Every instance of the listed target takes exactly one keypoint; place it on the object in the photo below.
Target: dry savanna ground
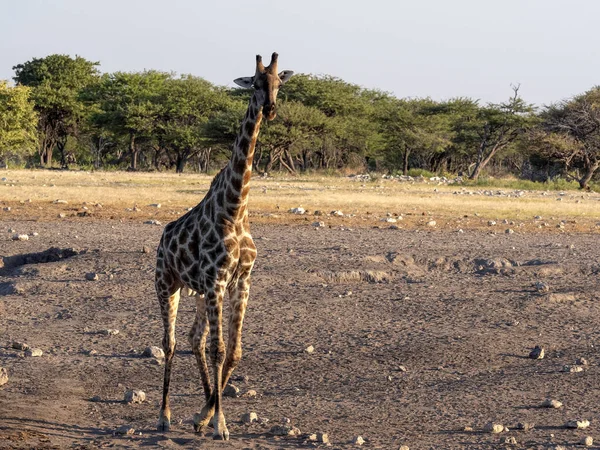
(420, 331)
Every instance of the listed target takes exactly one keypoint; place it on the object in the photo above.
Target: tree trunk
(405, 161)
(133, 151)
(180, 164)
(590, 169)
(481, 163)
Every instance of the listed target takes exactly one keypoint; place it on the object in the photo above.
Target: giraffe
(209, 251)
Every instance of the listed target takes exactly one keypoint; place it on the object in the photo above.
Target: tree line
(63, 112)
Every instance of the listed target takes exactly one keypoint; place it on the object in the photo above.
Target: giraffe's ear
(285, 75)
(245, 82)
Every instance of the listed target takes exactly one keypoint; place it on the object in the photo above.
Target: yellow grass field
(125, 195)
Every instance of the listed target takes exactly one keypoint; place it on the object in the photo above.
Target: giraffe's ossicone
(210, 251)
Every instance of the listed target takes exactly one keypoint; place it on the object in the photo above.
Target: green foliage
(18, 121)
(55, 82)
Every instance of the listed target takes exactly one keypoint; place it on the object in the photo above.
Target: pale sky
(418, 48)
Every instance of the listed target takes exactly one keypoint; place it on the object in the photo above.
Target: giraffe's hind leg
(168, 298)
(197, 337)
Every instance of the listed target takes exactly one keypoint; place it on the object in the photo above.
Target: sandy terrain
(417, 335)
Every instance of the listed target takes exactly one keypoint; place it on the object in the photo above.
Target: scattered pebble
(299, 210)
(541, 286)
(580, 424)
(582, 361)
(20, 237)
(109, 332)
(6, 208)
(588, 441)
(404, 447)
(537, 352)
(145, 249)
(125, 430)
(572, 369)
(152, 222)
(249, 418)
(323, 438)
(491, 223)
(431, 223)
(525, 426)
(96, 398)
(34, 352)
(3, 376)
(337, 213)
(309, 349)
(318, 224)
(284, 430)
(20, 346)
(358, 440)
(155, 205)
(91, 276)
(231, 390)
(250, 393)
(492, 427)
(509, 231)
(510, 440)
(153, 352)
(60, 202)
(62, 215)
(551, 403)
(134, 396)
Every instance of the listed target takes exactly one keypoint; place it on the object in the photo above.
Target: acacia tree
(56, 82)
(186, 105)
(499, 125)
(128, 105)
(18, 121)
(579, 118)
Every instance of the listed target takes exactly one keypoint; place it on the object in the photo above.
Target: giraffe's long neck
(240, 165)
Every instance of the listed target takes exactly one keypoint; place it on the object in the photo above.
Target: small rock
(155, 205)
(251, 393)
(431, 223)
(491, 223)
(525, 426)
(318, 224)
(468, 428)
(580, 424)
(20, 237)
(153, 352)
(337, 213)
(389, 220)
(91, 276)
(91, 352)
(134, 396)
(145, 249)
(6, 208)
(572, 369)
(309, 349)
(231, 390)
(537, 352)
(509, 231)
(323, 438)
(62, 215)
(249, 418)
(582, 361)
(492, 427)
(60, 202)
(3, 376)
(588, 441)
(96, 398)
(358, 440)
(125, 430)
(152, 222)
(510, 440)
(404, 447)
(541, 286)
(20, 346)
(109, 332)
(34, 352)
(284, 430)
(551, 403)
(298, 211)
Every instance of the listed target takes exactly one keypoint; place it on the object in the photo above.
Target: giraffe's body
(210, 251)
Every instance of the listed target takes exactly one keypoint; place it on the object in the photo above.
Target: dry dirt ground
(417, 334)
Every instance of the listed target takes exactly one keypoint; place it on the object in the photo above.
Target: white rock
(299, 210)
(358, 440)
(309, 349)
(60, 202)
(491, 223)
(509, 231)
(284, 430)
(323, 438)
(588, 441)
(34, 352)
(431, 223)
(318, 224)
(20, 237)
(388, 220)
(125, 430)
(155, 205)
(510, 440)
(231, 390)
(3, 376)
(337, 213)
(109, 332)
(20, 346)
(153, 352)
(91, 276)
(495, 428)
(551, 403)
(579, 424)
(152, 222)
(572, 369)
(134, 396)
(249, 418)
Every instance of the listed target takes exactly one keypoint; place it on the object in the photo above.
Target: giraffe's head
(266, 82)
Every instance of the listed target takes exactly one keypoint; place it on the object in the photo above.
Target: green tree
(18, 121)
(129, 105)
(186, 105)
(579, 118)
(56, 82)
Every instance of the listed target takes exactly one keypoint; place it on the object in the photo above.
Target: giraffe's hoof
(223, 436)
(201, 422)
(163, 425)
